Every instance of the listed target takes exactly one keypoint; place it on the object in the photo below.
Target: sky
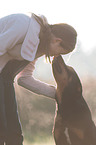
(81, 14)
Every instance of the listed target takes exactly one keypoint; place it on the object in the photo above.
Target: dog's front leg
(58, 131)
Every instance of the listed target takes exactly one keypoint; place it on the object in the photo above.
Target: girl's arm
(26, 80)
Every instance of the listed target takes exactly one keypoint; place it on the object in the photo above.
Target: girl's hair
(66, 32)
(45, 34)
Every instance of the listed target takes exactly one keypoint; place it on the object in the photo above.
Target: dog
(73, 121)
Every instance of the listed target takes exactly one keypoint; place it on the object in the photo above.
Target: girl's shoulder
(15, 18)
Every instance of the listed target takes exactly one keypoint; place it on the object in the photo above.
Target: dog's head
(66, 78)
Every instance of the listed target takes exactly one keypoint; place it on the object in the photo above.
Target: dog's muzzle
(56, 64)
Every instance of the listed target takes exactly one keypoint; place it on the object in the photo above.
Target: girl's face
(55, 48)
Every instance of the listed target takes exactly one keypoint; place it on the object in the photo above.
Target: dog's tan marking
(78, 132)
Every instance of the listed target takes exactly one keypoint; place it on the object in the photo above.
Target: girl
(23, 39)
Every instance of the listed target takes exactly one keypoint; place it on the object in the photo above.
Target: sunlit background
(81, 14)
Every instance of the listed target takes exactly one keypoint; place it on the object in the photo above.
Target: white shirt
(19, 39)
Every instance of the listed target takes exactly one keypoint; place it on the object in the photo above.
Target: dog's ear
(79, 88)
(79, 85)
(74, 87)
(77, 81)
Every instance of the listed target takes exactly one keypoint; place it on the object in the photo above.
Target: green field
(47, 142)
(40, 143)
(44, 143)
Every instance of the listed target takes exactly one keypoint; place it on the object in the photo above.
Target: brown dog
(73, 121)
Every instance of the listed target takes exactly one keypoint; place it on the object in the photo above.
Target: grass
(49, 141)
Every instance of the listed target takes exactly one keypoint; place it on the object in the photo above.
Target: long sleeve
(26, 80)
(13, 29)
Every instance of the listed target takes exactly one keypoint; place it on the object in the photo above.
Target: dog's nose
(55, 59)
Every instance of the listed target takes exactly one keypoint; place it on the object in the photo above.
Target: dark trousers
(10, 128)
